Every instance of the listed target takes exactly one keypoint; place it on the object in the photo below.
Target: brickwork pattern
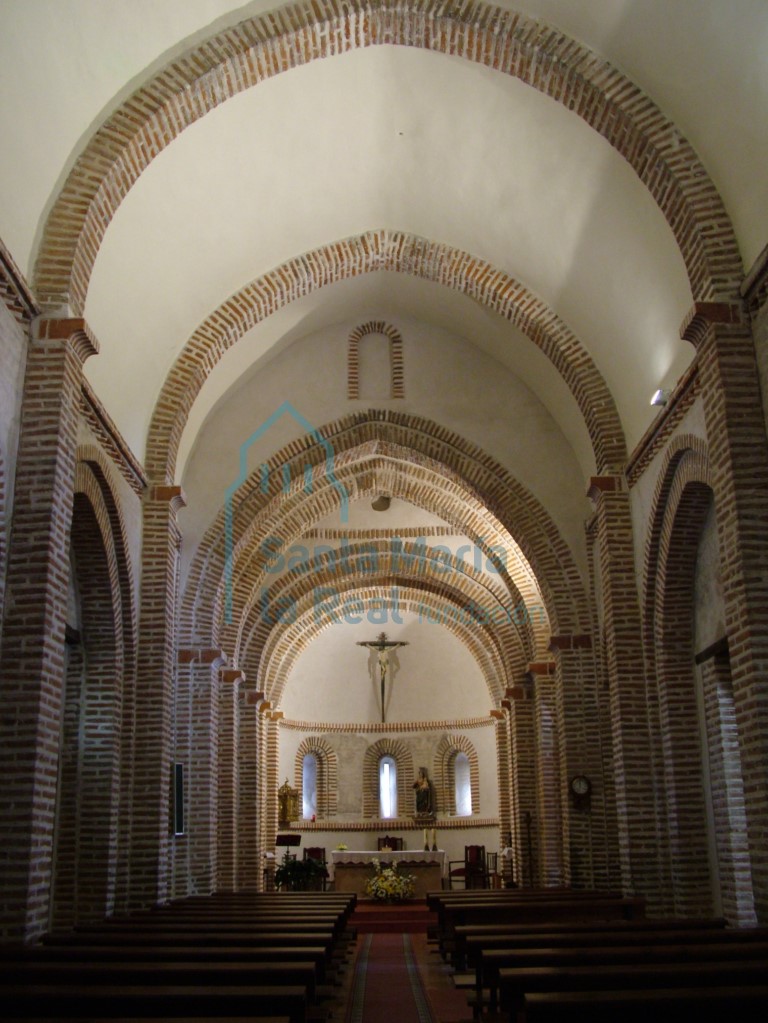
(397, 375)
(327, 773)
(374, 251)
(36, 604)
(403, 758)
(444, 774)
(255, 50)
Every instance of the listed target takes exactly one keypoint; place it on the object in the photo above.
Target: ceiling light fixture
(381, 503)
(660, 397)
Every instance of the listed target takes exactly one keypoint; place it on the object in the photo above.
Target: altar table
(351, 869)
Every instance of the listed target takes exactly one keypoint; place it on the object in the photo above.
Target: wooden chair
(396, 844)
(472, 871)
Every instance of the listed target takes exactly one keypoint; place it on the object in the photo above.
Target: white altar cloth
(384, 857)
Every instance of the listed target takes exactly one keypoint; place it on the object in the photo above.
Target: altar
(350, 869)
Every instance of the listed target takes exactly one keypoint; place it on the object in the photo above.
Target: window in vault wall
(309, 787)
(463, 787)
(387, 787)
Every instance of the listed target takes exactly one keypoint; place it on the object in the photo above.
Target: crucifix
(383, 646)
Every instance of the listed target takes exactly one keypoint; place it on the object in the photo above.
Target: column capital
(231, 675)
(173, 495)
(201, 655)
(540, 668)
(702, 315)
(72, 329)
(599, 485)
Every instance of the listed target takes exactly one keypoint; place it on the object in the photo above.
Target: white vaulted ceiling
(393, 138)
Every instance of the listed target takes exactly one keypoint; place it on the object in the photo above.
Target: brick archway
(394, 251)
(244, 55)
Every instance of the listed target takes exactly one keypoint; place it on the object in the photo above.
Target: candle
(434, 838)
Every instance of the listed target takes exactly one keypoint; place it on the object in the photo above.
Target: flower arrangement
(387, 885)
(341, 847)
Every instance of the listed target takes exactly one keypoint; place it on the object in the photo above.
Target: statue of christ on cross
(383, 646)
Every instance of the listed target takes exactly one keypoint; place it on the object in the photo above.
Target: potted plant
(300, 875)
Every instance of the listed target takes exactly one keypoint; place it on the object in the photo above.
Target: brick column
(250, 860)
(727, 790)
(523, 756)
(33, 663)
(228, 778)
(197, 747)
(548, 786)
(738, 455)
(269, 747)
(155, 680)
(503, 770)
(624, 665)
(580, 753)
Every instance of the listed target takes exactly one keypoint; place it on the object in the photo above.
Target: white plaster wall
(434, 678)
(13, 360)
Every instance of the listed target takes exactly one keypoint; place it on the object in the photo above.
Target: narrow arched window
(463, 785)
(387, 787)
(309, 787)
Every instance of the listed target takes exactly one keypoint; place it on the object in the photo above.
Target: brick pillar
(548, 785)
(269, 747)
(580, 753)
(250, 860)
(624, 664)
(155, 680)
(727, 791)
(228, 778)
(523, 757)
(32, 665)
(738, 456)
(504, 771)
(197, 747)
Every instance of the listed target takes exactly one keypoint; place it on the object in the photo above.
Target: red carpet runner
(389, 986)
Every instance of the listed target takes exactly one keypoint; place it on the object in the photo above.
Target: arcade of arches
(322, 321)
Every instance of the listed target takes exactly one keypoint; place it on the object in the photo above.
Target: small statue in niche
(423, 789)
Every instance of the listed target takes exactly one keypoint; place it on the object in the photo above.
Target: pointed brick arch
(244, 55)
(440, 471)
(400, 252)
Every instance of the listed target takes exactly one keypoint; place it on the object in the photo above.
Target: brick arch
(244, 55)
(445, 760)
(462, 469)
(374, 251)
(682, 501)
(404, 761)
(89, 793)
(327, 774)
(397, 379)
(379, 567)
(288, 640)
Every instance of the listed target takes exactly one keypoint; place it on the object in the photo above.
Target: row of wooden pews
(270, 956)
(542, 954)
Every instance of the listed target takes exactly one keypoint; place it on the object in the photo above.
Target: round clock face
(580, 785)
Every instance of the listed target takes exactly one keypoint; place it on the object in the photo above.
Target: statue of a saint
(423, 789)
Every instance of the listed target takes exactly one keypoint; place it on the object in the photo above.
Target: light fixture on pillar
(382, 503)
(660, 397)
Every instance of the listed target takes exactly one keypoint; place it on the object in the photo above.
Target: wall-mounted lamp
(660, 397)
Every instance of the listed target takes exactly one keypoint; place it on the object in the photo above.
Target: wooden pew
(516, 984)
(638, 1006)
(66, 1001)
(516, 963)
